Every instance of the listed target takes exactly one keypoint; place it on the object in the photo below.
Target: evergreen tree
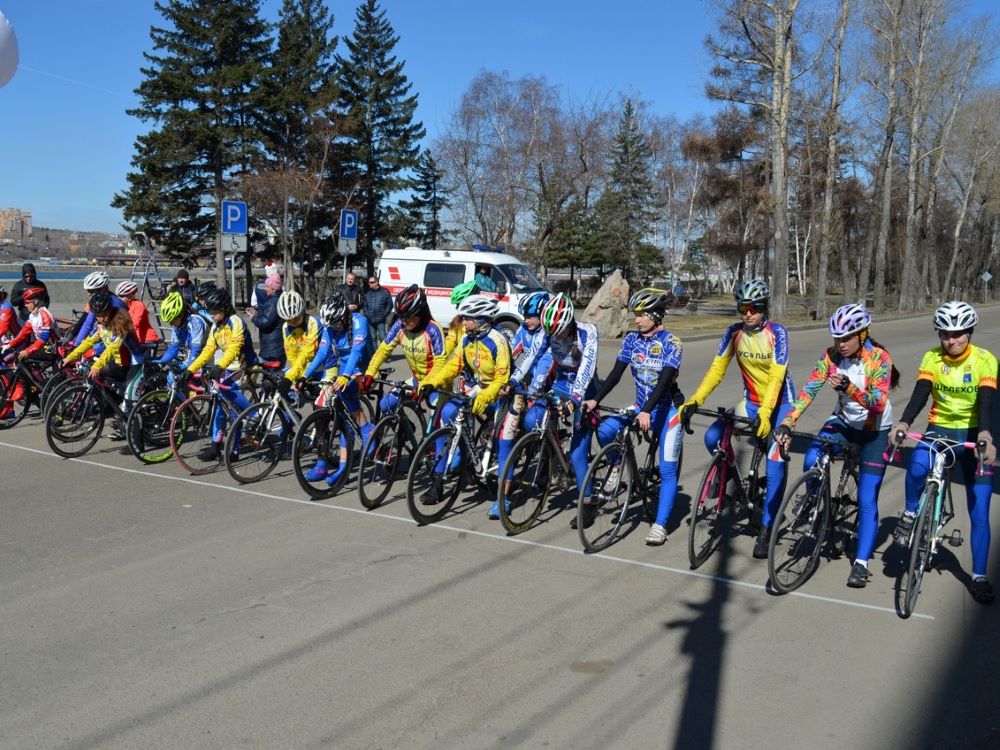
(380, 136)
(625, 209)
(299, 92)
(429, 200)
(201, 90)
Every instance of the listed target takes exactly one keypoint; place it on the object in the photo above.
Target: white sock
(978, 578)
(862, 563)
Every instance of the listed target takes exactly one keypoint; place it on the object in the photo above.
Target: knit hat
(273, 281)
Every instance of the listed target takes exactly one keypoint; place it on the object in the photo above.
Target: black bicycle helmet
(411, 302)
(217, 300)
(101, 302)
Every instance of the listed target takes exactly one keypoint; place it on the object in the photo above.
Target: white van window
(521, 277)
(446, 275)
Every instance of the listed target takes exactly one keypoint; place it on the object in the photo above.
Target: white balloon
(8, 50)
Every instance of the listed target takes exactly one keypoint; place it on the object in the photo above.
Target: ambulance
(440, 271)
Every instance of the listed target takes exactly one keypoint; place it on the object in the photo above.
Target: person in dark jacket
(183, 286)
(353, 293)
(378, 308)
(29, 278)
(265, 316)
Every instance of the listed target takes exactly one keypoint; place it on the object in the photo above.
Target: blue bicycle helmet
(531, 304)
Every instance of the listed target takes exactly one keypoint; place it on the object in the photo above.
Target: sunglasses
(744, 309)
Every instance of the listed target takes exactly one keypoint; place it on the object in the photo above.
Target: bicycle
(705, 524)
(538, 463)
(401, 428)
(328, 434)
(468, 454)
(614, 478)
(77, 415)
(810, 513)
(21, 384)
(147, 429)
(191, 427)
(259, 437)
(935, 510)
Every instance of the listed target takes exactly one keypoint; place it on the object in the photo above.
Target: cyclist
(98, 281)
(342, 352)
(300, 333)
(573, 347)
(40, 334)
(654, 356)
(760, 347)
(421, 337)
(188, 332)
(227, 350)
(138, 312)
(860, 370)
(10, 325)
(530, 308)
(482, 365)
(122, 355)
(203, 290)
(961, 378)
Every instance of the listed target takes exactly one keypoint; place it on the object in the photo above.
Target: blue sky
(66, 141)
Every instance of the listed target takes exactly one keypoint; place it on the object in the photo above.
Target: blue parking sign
(348, 224)
(234, 217)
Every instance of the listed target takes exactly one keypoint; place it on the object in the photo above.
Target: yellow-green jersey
(300, 344)
(955, 384)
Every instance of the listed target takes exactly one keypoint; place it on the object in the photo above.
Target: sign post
(347, 242)
(986, 281)
(233, 241)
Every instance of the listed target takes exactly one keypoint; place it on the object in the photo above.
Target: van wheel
(509, 329)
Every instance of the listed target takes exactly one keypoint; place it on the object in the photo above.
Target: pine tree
(201, 91)
(381, 138)
(429, 200)
(299, 91)
(625, 209)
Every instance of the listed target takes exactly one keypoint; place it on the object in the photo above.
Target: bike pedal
(955, 539)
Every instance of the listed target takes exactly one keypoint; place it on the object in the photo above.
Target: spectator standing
(353, 294)
(29, 278)
(183, 286)
(270, 269)
(378, 307)
(264, 315)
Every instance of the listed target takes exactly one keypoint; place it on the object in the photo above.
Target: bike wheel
(322, 437)
(256, 442)
(15, 398)
(60, 377)
(705, 524)
(525, 483)
(844, 517)
(426, 475)
(380, 457)
(147, 428)
(191, 434)
(611, 478)
(76, 418)
(920, 551)
(798, 532)
(648, 483)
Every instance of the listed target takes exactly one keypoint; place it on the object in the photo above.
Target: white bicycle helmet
(955, 316)
(558, 315)
(753, 292)
(849, 319)
(478, 306)
(290, 305)
(96, 280)
(126, 288)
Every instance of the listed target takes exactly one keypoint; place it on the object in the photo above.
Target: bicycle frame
(550, 431)
(747, 487)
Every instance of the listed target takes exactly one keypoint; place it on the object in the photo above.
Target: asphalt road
(144, 608)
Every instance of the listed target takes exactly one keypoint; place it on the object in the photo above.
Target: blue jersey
(347, 350)
(574, 359)
(189, 338)
(523, 340)
(646, 357)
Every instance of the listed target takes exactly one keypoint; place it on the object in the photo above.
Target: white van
(440, 271)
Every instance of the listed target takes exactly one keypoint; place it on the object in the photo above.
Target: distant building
(15, 224)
